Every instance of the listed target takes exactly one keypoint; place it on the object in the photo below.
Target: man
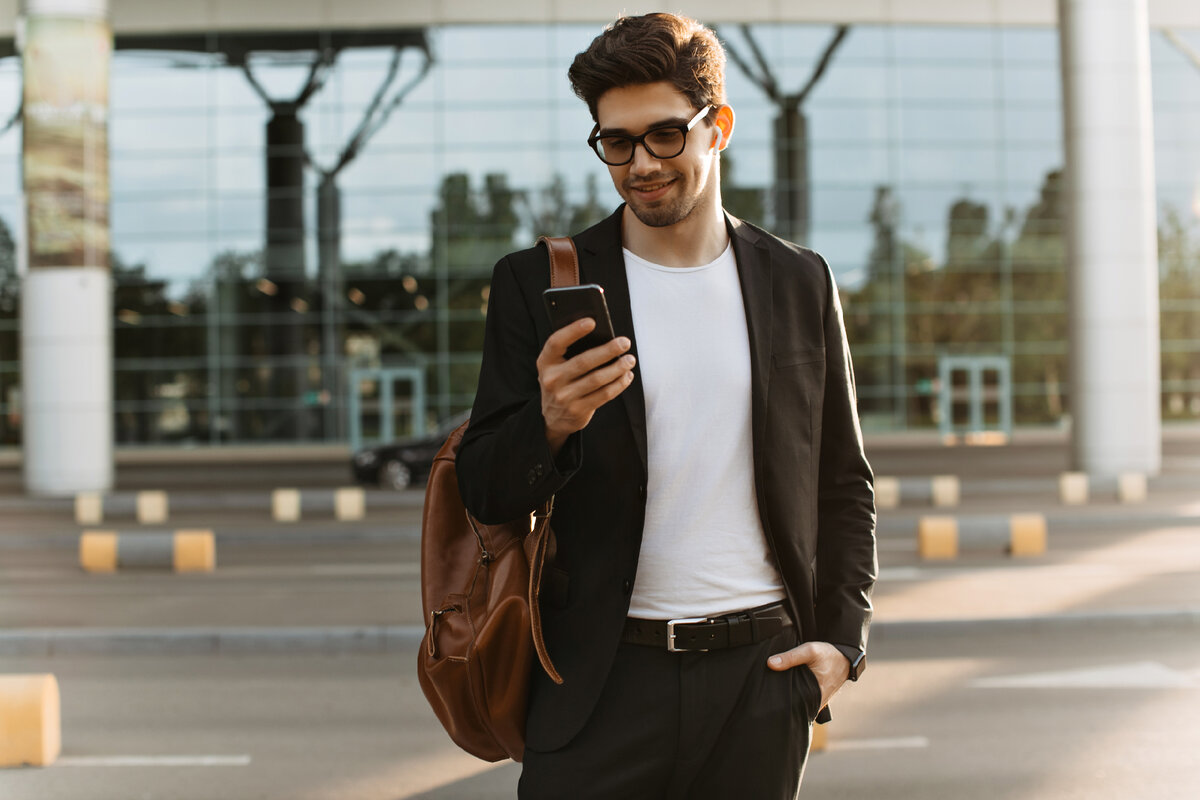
(714, 510)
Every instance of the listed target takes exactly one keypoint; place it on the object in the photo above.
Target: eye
(663, 136)
(615, 145)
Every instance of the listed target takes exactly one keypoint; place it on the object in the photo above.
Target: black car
(400, 464)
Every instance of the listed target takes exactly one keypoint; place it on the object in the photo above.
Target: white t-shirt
(703, 552)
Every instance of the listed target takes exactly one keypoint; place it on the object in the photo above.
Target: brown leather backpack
(479, 591)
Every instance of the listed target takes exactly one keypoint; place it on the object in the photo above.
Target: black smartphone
(567, 304)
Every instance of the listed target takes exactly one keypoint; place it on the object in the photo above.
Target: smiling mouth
(651, 188)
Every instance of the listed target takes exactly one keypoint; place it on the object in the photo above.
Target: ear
(724, 126)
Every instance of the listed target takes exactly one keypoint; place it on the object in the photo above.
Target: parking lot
(288, 671)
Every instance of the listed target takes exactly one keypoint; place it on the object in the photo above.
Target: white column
(66, 308)
(1112, 250)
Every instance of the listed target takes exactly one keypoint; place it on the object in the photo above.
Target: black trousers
(687, 725)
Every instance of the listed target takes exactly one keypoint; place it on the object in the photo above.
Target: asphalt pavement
(287, 672)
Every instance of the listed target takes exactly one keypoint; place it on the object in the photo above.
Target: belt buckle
(671, 648)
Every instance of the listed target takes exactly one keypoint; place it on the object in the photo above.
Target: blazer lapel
(754, 273)
(601, 261)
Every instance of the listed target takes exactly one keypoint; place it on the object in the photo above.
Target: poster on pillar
(65, 146)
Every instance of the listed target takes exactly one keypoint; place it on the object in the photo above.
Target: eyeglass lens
(660, 143)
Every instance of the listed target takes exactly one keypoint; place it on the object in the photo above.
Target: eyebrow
(625, 131)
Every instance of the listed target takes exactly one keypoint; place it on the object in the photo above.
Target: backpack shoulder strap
(564, 260)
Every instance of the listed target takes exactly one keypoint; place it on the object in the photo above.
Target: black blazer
(812, 480)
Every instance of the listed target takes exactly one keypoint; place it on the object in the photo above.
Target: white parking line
(153, 761)
(899, 743)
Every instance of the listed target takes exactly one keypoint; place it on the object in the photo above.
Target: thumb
(801, 654)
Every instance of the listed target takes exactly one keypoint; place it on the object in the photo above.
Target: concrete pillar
(792, 191)
(285, 267)
(1112, 257)
(66, 308)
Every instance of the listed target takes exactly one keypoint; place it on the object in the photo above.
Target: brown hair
(648, 49)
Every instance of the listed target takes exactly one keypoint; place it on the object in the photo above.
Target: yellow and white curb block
(887, 492)
(89, 508)
(820, 739)
(350, 503)
(30, 720)
(285, 505)
(1131, 487)
(182, 551)
(1020, 534)
(1073, 489)
(152, 508)
(943, 491)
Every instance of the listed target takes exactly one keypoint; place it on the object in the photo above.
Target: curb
(317, 500)
(891, 523)
(233, 536)
(389, 639)
(210, 641)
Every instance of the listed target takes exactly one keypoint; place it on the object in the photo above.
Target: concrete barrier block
(1027, 535)
(145, 550)
(98, 551)
(944, 490)
(285, 505)
(887, 492)
(350, 503)
(1131, 487)
(30, 720)
(152, 507)
(89, 508)
(937, 537)
(182, 551)
(1073, 488)
(820, 739)
(194, 551)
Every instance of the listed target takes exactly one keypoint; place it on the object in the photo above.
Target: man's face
(660, 192)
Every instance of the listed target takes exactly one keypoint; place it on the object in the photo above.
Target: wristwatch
(857, 659)
(858, 664)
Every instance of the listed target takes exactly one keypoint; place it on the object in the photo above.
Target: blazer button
(532, 476)
(642, 492)
(626, 586)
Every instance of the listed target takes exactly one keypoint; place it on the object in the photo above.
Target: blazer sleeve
(504, 464)
(847, 564)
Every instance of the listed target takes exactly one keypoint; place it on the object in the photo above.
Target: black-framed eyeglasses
(665, 141)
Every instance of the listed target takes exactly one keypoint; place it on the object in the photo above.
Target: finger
(801, 654)
(607, 391)
(600, 355)
(558, 342)
(580, 397)
(603, 376)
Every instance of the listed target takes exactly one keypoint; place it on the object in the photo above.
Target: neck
(695, 241)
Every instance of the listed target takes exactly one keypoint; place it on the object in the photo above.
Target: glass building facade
(303, 230)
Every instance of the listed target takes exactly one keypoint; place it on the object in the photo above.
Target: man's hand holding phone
(573, 388)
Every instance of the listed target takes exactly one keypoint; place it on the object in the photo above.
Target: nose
(643, 161)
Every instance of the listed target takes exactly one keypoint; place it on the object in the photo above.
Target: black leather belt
(697, 634)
